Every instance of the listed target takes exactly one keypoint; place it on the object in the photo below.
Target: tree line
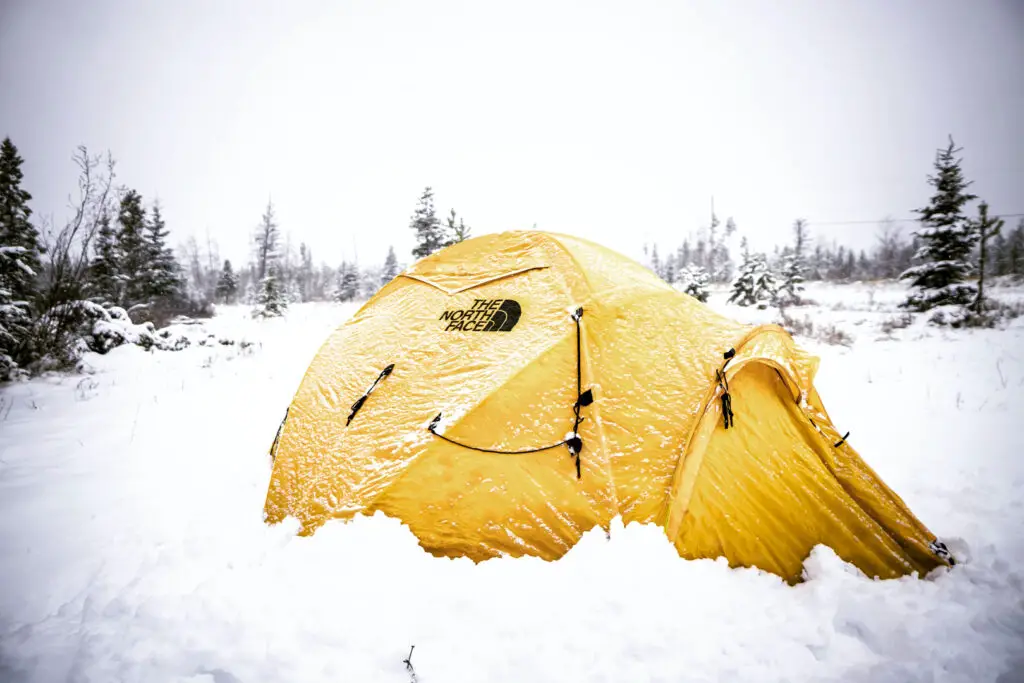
(110, 259)
(945, 260)
(112, 255)
(278, 274)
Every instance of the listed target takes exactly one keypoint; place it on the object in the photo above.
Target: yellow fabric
(760, 494)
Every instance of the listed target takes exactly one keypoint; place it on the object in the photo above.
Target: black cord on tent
(574, 443)
(433, 426)
(842, 440)
(362, 399)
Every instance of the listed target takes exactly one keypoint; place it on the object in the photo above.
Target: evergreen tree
(1000, 254)
(684, 256)
(227, 284)
(348, 282)
(271, 301)
(457, 232)
(655, 261)
(134, 251)
(105, 268)
(267, 238)
(1013, 262)
(793, 266)
(864, 266)
(390, 267)
(700, 255)
(712, 265)
(368, 282)
(985, 228)
(252, 294)
(20, 264)
(694, 281)
(818, 264)
(726, 264)
(20, 269)
(429, 235)
(754, 284)
(719, 264)
(163, 275)
(305, 277)
(742, 291)
(671, 272)
(947, 239)
(888, 249)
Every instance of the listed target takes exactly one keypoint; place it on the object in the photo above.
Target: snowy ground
(132, 546)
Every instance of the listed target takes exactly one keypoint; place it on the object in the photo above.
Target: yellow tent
(513, 391)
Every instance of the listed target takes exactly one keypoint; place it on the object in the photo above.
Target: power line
(896, 220)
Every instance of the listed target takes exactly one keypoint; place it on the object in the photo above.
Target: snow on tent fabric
(483, 335)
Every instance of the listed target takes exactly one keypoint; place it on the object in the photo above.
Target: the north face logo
(485, 315)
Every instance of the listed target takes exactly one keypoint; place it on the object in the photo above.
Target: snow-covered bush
(827, 334)
(993, 314)
(900, 322)
(95, 328)
(117, 329)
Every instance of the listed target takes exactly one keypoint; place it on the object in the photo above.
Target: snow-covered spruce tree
(305, 275)
(793, 267)
(271, 301)
(348, 282)
(251, 295)
(133, 250)
(16, 230)
(391, 269)
(671, 275)
(105, 267)
(1013, 261)
(1015, 247)
(694, 281)
(754, 284)
(227, 284)
(765, 286)
(369, 282)
(725, 262)
(655, 265)
(743, 284)
(947, 238)
(163, 280)
(20, 263)
(429, 235)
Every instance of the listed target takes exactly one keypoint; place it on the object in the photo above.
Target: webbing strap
(723, 383)
(277, 437)
(362, 399)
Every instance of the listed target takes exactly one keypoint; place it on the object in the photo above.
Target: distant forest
(110, 260)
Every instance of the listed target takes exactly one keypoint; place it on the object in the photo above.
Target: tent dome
(510, 392)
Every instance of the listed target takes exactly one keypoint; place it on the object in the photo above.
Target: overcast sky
(614, 121)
